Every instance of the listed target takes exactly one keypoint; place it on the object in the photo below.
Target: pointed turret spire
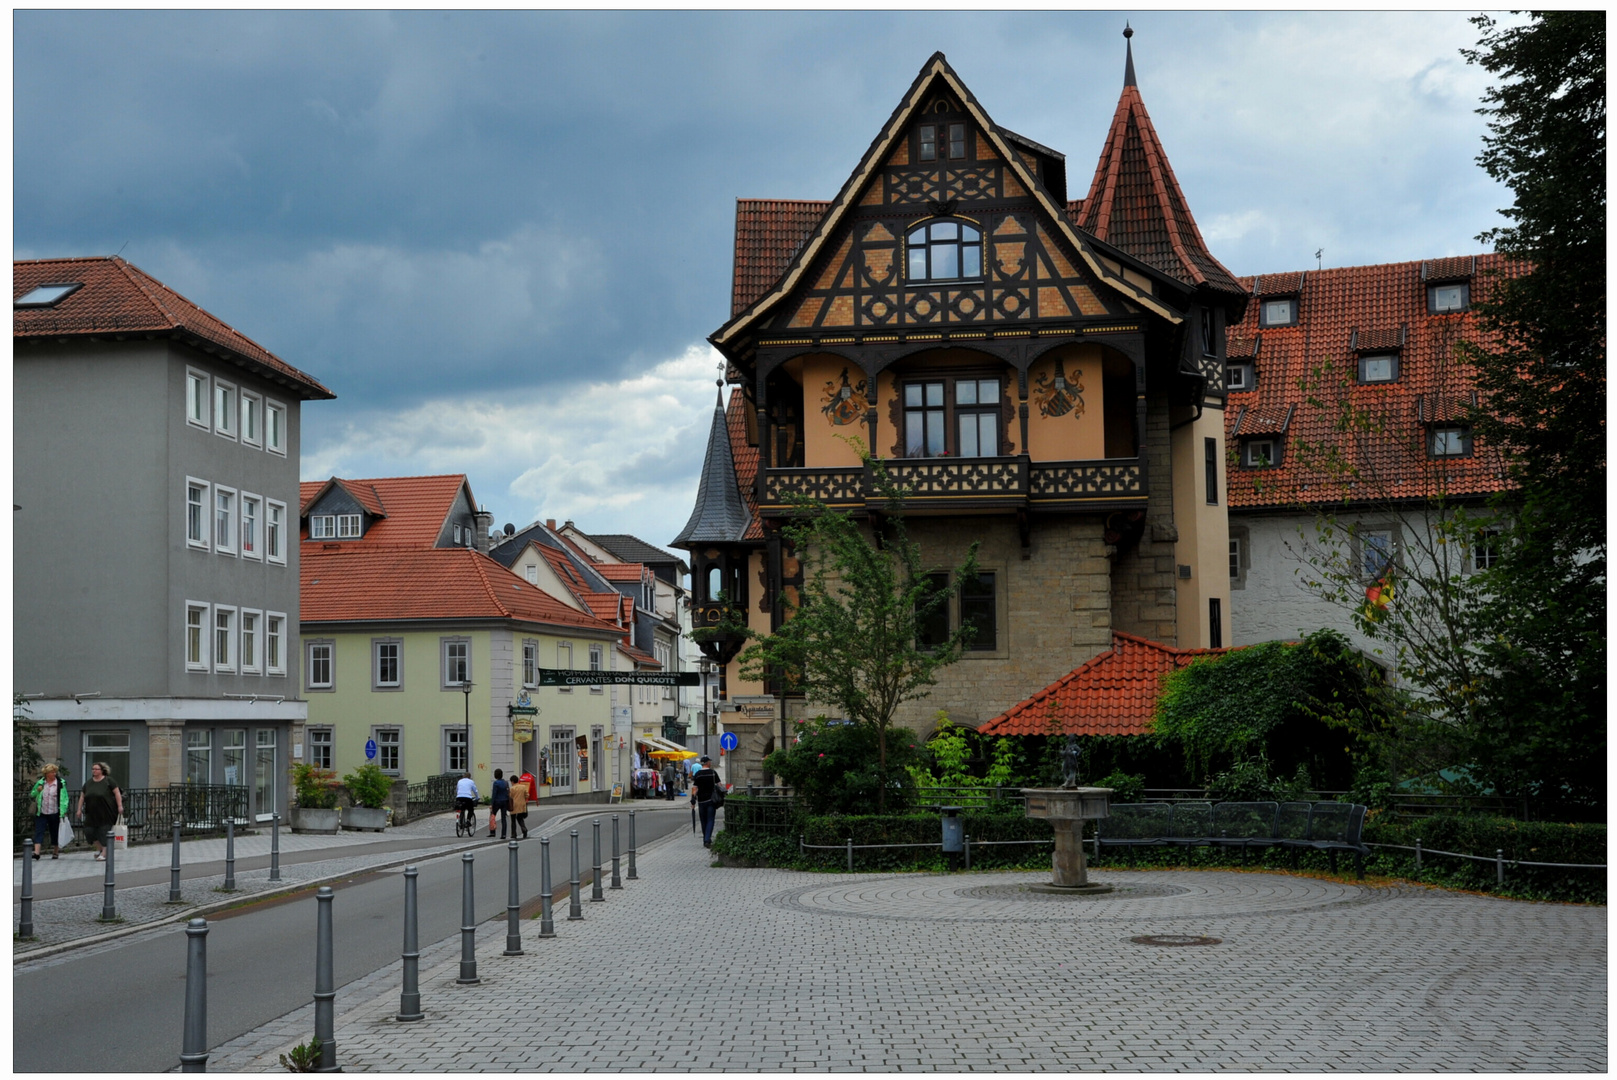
(1134, 202)
(721, 515)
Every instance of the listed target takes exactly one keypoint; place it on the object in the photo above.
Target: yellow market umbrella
(677, 755)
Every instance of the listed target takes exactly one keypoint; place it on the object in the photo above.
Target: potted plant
(370, 787)
(316, 809)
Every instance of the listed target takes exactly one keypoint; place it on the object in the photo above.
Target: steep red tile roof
(1342, 313)
(746, 459)
(768, 234)
(417, 506)
(117, 299)
(641, 659)
(1135, 204)
(356, 583)
(607, 606)
(621, 571)
(1115, 693)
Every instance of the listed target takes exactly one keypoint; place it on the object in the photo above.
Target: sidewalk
(970, 972)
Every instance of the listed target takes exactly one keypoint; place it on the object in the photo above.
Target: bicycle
(466, 821)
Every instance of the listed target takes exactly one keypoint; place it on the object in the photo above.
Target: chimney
(550, 523)
(485, 525)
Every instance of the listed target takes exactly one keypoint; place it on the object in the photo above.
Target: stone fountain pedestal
(1067, 808)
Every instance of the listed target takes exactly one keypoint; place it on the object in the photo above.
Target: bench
(1330, 827)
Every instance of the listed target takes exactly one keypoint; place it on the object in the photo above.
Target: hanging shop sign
(522, 728)
(524, 706)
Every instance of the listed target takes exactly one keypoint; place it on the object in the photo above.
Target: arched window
(945, 251)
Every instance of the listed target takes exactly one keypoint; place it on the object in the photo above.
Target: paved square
(837, 972)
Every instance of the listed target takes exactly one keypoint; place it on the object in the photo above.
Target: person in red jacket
(533, 785)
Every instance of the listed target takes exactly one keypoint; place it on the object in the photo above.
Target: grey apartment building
(155, 522)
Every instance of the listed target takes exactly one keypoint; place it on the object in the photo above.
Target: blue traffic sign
(370, 749)
(729, 741)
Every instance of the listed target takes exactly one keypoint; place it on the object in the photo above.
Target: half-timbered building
(1043, 374)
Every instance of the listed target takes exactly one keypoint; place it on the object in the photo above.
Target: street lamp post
(466, 690)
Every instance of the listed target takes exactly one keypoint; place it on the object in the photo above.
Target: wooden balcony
(940, 485)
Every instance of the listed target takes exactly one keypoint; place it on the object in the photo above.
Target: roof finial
(1128, 48)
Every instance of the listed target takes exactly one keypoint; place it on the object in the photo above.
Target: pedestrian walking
(707, 785)
(670, 778)
(101, 804)
(519, 808)
(49, 800)
(499, 803)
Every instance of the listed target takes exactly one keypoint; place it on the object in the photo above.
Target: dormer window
(1260, 453)
(1448, 297)
(349, 526)
(945, 251)
(1279, 312)
(1238, 377)
(1378, 368)
(1450, 441)
(322, 527)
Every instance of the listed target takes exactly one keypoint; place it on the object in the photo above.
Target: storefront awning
(656, 742)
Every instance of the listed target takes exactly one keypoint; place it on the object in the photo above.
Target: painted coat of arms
(1060, 395)
(843, 404)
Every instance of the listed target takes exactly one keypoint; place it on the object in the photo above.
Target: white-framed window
(224, 409)
(196, 398)
(224, 636)
(224, 520)
(564, 660)
(196, 513)
(251, 525)
(348, 526)
(1485, 552)
(531, 572)
(1260, 453)
(1377, 548)
(251, 627)
(1279, 312)
(1451, 441)
(274, 426)
(275, 531)
(530, 663)
(1450, 296)
(457, 662)
(386, 663)
(389, 748)
(457, 536)
(597, 663)
(665, 655)
(454, 755)
(196, 636)
(1378, 368)
(275, 642)
(320, 665)
(322, 527)
(1239, 377)
(252, 419)
(321, 740)
(1235, 557)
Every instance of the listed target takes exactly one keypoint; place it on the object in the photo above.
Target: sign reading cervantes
(566, 677)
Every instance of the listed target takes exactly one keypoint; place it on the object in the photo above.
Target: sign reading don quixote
(568, 677)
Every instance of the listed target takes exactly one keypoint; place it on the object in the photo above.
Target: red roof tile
(746, 459)
(1278, 284)
(641, 659)
(1343, 312)
(119, 299)
(769, 233)
(621, 571)
(356, 583)
(1115, 693)
(1450, 269)
(417, 506)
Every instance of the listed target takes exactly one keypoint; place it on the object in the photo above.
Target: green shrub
(1532, 841)
(836, 768)
(369, 785)
(1126, 787)
(316, 787)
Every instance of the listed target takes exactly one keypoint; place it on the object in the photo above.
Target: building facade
(183, 435)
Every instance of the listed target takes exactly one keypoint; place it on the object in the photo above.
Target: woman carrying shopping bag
(49, 799)
(101, 804)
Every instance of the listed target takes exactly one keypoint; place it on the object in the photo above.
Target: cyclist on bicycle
(466, 798)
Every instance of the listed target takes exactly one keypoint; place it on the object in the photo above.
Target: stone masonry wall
(1144, 588)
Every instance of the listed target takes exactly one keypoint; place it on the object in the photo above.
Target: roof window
(1281, 311)
(41, 296)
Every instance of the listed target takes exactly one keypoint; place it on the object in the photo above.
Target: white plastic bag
(64, 833)
(120, 835)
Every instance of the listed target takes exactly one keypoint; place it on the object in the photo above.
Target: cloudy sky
(502, 238)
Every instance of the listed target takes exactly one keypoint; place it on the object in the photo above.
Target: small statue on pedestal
(1070, 758)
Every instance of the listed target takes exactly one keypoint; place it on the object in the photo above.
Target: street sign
(370, 749)
(574, 677)
(729, 741)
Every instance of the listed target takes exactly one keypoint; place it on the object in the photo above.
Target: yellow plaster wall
(1073, 436)
(1204, 531)
(821, 447)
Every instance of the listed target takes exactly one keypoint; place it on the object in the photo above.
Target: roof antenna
(120, 251)
(1128, 48)
(1319, 259)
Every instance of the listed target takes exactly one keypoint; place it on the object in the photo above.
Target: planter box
(314, 820)
(369, 818)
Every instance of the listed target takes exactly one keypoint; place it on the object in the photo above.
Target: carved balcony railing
(1009, 483)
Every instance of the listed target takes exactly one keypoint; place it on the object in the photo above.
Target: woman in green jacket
(49, 799)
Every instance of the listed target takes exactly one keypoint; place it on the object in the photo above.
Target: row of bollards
(194, 1052)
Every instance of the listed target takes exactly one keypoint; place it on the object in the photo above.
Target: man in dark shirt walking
(706, 782)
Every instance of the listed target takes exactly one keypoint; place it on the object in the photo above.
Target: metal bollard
(617, 882)
(325, 983)
(850, 854)
(194, 1040)
(230, 855)
(25, 924)
(575, 910)
(1499, 866)
(109, 906)
(1417, 853)
(596, 895)
(174, 869)
(468, 926)
(275, 847)
(513, 908)
(632, 875)
(410, 998)
(547, 920)
(967, 837)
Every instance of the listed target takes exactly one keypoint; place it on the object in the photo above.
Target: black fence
(151, 813)
(432, 795)
(1407, 803)
(777, 814)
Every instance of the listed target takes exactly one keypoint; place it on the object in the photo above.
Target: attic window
(1260, 453)
(41, 296)
(1378, 368)
(955, 134)
(1449, 296)
(1239, 377)
(945, 251)
(1278, 312)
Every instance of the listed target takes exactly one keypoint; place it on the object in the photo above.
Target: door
(561, 761)
(598, 780)
(265, 775)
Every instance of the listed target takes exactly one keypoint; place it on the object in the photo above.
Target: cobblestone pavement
(959, 973)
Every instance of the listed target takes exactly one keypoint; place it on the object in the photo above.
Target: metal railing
(433, 794)
(970, 798)
(151, 813)
(1415, 804)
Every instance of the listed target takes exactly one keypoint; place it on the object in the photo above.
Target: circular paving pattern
(1137, 895)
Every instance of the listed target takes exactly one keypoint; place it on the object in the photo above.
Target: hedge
(780, 849)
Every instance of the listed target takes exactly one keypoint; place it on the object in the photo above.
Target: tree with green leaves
(1541, 727)
(855, 641)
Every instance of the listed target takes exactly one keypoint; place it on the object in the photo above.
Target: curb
(205, 910)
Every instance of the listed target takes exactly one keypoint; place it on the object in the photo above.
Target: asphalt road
(122, 1009)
